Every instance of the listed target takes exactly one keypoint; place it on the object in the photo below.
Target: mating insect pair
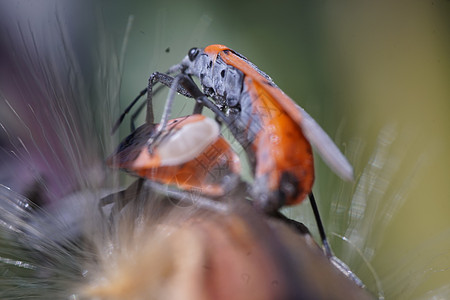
(190, 153)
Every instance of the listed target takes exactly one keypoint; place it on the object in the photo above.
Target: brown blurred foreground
(161, 250)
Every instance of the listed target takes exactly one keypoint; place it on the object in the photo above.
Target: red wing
(201, 170)
(318, 138)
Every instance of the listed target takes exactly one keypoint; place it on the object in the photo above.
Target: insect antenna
(138, 111)
(127, 110)
(135, 115)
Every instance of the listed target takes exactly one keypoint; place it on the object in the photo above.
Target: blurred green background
(375, 75)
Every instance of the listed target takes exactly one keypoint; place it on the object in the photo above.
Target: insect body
(275, 132)
(189, 153)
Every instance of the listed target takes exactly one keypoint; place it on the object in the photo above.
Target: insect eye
(192, 54)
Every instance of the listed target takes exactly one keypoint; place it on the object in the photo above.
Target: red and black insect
(189, 153)
(275, 132)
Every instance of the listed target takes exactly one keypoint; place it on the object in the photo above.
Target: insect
(276, 133)
(189, 153)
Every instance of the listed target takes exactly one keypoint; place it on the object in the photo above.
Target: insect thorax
(219, 81)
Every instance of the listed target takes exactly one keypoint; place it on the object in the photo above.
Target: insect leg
(168, 107)
(194, 92)
(156, 77)
(198, 108)
(323, 236)
(302, 229)
(166, 80)
(187, 87)
(172, 83)
(299, 227)
(183, 89)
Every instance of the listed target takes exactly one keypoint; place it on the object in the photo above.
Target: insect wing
(191, 155)
(318, 138)
(327, 149)
(312, 131)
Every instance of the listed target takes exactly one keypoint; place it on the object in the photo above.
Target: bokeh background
(375, 75)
